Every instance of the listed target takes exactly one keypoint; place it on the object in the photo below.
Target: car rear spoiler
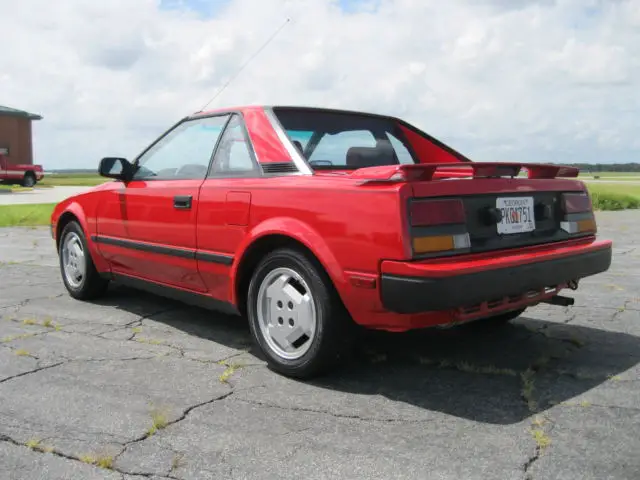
(435, 171)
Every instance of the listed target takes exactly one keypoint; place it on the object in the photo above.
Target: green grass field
(26, 215)
(614, 196)
(617, 176)
(69, 180)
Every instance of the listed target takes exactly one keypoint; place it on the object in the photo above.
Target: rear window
(342, 140)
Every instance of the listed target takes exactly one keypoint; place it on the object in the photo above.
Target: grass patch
(73, 180)
(22, 353)
(614, 196)
(26, 215)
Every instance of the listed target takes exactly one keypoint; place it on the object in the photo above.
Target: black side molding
(425, 294)
(164, 250)
(191, 298)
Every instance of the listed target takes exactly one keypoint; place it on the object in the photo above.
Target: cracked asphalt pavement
(136, 386)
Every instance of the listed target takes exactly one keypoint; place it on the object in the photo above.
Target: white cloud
(498, 79)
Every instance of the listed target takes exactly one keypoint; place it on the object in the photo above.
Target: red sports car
(312, 221)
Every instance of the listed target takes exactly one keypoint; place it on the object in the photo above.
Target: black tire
(334, 328)
(92, 284)
(29, 180)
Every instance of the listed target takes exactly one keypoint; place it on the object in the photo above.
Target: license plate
(517, 215)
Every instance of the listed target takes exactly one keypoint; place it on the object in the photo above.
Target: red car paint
(16, 173)
(355, 222)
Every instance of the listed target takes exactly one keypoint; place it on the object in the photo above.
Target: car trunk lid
(500, 205)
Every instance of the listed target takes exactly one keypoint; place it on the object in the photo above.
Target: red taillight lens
(576, 203)
(426, 213)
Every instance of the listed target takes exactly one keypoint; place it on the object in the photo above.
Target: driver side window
(184, 153)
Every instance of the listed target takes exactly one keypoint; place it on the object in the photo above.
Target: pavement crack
(529, 463)
(36, 370)
(333, 414)
(148, 434)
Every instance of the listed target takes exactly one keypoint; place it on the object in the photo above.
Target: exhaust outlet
(560, 301)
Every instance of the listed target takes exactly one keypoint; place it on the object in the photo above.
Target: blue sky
(499, 80)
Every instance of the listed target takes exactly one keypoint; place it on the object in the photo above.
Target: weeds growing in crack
(177, 461)
(541, 438)
(136, 330)
(468, 367)
(22, 353)
(230, 370)
(150, 341)
(29, 321)
(17, 337)
(158, 421)
(33, 444)
(102, 461)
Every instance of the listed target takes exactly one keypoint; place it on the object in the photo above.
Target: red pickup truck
(309, 221)
(25, 175)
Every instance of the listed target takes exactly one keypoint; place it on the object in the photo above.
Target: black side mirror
(116, 167)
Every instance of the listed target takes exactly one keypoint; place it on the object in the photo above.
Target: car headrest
(360, 157)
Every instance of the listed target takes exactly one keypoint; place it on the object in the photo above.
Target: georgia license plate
(517, 215)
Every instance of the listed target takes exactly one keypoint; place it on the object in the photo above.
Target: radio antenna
(273, 35)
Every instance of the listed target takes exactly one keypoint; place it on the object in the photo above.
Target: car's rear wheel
(79, 273)
(29, 180)
(295, 315)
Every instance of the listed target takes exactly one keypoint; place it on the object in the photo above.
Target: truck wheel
(79, 273)
(296, 317)
(29, 180)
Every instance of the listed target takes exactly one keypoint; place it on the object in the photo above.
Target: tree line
(606, 167)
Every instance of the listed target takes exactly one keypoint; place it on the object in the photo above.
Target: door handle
(182, 201)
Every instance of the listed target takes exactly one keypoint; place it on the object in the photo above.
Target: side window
(184, 153)
(334, 147)
(401, 151)
(233, 155)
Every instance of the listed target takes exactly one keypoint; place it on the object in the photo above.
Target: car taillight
(576, 203)
(425, 213)
(578, 214)
(438, 226)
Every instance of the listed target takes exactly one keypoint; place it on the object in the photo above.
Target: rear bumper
(450, 285)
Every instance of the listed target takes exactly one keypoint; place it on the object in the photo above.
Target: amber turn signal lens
(588, 225)
(440, 243)
(580, 226)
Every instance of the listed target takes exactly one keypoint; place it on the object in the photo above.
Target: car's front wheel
(296, 316)
(79, 273)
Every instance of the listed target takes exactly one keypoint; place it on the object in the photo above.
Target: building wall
(15, 134)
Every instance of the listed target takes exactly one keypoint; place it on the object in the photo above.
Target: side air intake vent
(283, 167)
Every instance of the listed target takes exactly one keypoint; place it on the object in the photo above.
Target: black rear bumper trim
(401, 294)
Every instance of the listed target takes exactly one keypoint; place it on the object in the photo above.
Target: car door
(225, 204)
(148, 229)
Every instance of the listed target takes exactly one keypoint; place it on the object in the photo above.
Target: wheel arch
(74, 212)
(305, 240)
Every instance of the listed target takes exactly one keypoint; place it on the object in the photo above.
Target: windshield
(341, 140)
